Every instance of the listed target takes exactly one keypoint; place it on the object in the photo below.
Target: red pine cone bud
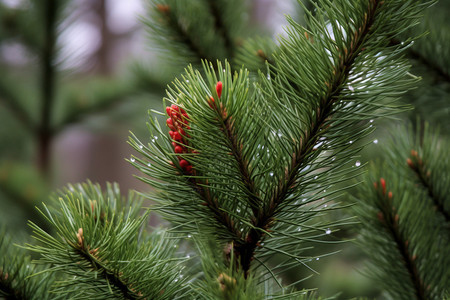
(176, 136)
(168, 110)
(188, 169)
(178, 149)
(383, 185)
(211, 102)
(219, 89)
(175, 107)
(169, 123)
(184, 164)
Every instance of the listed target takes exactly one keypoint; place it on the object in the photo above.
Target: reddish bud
(219, 89)
(181, 131)
(189, 168)
(176, 136)
(169, 123)
(414, 153)
(185, 115)
(211, 102)
(182, 111)
(410, 163)
(396, 218)
(163, 8)
(178, 149)
(175, 107)
(174, 144)
(168, 110)
(390, 195)
(171, 133)
(375, 185)
(380, 216)
(184, 163)
(383, 185)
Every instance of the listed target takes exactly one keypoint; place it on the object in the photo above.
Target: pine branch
(400, 230)
(47, 84)
(109, 275)
(182, 36)
(390, 219)
(19, 278)
(101, 245)
(311, 137)
(266, 158)
(417, 165)
(416, 55)
(221, 29)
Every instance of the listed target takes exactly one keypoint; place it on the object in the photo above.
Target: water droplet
(304, 200)
(371, 121)
(132, 159)
(351, 142)
(187, 80)
(328, 231)
(351, 88)
(325, 205)
(155, 137)
(333, 159)
(358, 163)
(175, 246)
(262, 244)
(176, 279)
(317, 258)
(271, 173)
(402, 43)
(149, 165)
(224, 70)
(140, 146)
(375, 141)
(153, 140)
(242, 229)
(315, 177)
(189, 236)
(268, 76)
(299, 229)
(187, 256)
(238, 210)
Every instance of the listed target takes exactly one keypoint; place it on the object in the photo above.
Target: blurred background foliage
(78, 75)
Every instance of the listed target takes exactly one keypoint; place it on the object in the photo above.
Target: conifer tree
(246, 166)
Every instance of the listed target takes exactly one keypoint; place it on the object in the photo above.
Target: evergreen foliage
(253, 161)
(404, 217)
(100, 245)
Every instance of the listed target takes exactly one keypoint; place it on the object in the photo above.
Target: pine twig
(48, 80)
(390, 219)
(417, 165)
(324, 112)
